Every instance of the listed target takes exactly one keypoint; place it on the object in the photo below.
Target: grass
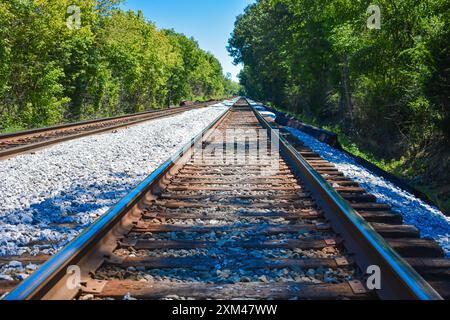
(392, 166)
(441, 199)
(399, 169)
(11, 129)
(396, 167)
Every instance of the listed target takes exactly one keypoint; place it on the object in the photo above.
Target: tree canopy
(113, 62)
(387, 88)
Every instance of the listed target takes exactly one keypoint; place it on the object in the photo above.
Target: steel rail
(40, 282)
(17, 134)
(153, 115)
(399, 281)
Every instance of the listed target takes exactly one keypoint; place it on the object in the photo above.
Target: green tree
(114, 62)
(387, 89)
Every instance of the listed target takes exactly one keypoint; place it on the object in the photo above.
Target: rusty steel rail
(40, 283)
(399, 280)
(125, 121)
(81, 123)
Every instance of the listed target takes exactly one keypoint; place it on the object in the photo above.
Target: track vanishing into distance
(273, 222)
(20, 142)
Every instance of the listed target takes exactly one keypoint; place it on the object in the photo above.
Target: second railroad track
(25, 141)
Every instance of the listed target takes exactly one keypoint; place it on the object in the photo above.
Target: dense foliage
(114, 62)
(388, 88)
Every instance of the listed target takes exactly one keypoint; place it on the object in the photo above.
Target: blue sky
(210, 22)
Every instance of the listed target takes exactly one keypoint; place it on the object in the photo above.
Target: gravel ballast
(49, 197)
(431, 222)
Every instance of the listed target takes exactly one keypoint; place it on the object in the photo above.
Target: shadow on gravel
(429, 220)
(55, 221)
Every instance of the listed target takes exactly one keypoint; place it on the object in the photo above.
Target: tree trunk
(346, 105)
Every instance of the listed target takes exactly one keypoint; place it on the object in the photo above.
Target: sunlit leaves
(113, 62)
(320, 59)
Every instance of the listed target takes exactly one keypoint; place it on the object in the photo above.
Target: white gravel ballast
(52, 195)
(431, 222)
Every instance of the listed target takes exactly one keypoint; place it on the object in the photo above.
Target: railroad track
(241, 221)
(24, 141)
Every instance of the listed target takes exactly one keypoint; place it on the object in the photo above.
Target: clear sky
(210, 22)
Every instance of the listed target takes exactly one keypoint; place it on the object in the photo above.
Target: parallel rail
(399, 279)
(95, 247)
(24, 141)
(46, 278)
